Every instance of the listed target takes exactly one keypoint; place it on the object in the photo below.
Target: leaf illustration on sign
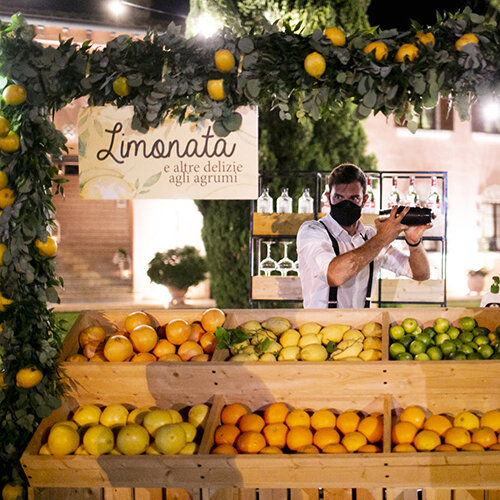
(151, 181)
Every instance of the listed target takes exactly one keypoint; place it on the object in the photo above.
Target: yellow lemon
(198, 415)
(315, 64)
(426, 440)
(136, 416)
(289, 338)
(407, 50)
(156, 419)
(87, 415)
(336, 36)
(2, 250)
(190, 431)
(465, 40)
(14, 94)
(4, 126)
(47, 249)
(121, 87)
(63, 440)
(224, 61)
(3, 179)
(380, 49)
(310, 328)
(170, 439)
(189, 449)
(28, 377)
(99, 440)
(10, 142)
(215, 89)
(6, 197)
(132, 439)
(12, 492)
(114, 416)
(467, 420)
(425, 38)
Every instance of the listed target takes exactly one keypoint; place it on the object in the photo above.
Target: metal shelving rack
(274, 223)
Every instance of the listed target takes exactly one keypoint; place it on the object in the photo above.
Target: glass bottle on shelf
(433, 200)
(412, 199)
(284, 202)
(265, 202)
(325, 201)
(394, 197)
(306, 203)
(370, 207)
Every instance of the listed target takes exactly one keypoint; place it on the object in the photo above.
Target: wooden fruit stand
(383, 386)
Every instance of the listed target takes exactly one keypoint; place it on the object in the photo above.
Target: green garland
(167, 75)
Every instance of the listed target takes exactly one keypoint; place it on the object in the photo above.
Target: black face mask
(346, 212)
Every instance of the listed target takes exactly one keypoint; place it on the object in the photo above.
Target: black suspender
(332, 297)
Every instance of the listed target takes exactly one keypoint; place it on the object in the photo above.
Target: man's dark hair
(346, 173)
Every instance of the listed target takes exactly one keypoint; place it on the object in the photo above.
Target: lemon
(406, 50)
(7, 197)
(224, 61)
(156, 419)
(3, 385)
(63, 440)
(308, 339)
(132, 439)
(176, 416)
(98, 440)
(4, 126)
(198, 415)
(290, 353)
(215, 89)
(14, 94)
(314, 352)
(289, 338)
(190, 431)
(425, 38)
(3, 179)
(315, 64)
(114, 416)
(2, 250)
(47, 249)
(170, 439)
(380, 49)
(310, 327)
(10, 142)
(12, 492)
(136, 416)
(465, 40)
(189, 449)
(87, 415)
(44, 450)
(28, 377)
(121, 87)
(4, 302)
(336, 36)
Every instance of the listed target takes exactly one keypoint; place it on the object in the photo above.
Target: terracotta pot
(178, 295)
(475, 282)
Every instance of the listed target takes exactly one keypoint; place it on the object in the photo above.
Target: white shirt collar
(336, 229)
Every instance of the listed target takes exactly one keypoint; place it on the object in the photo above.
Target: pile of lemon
(466, 431)
(118, 430)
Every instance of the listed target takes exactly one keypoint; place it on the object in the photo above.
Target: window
(490, 225)
(438, 118)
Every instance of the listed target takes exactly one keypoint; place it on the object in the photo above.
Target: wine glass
(285, 265)
(268, 264)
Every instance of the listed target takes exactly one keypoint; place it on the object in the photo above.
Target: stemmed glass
(285, 265)
(268, 264)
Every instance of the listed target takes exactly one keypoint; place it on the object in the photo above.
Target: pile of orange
(140, 341)
(466, 431)
(280, 429)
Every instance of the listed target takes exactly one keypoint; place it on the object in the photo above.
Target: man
(339, 258)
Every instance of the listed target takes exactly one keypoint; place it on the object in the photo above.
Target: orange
(162, 347)
(98, 357)
(465, 40)
(445, 447)
(414, 415)
(177, 331)
(200, 358)
(271, 450)
(276, 413)
(403, 433)
(425, 38)
(118, 348)
(144, 357)
(472, 447)
(380, 49)
(224, 60)
(275, 434)
(467, 420)
(336, 36)
(334, 448)
(143, 338)
(47, 249)
(495, 447)
(189, 349)
(91, 334)
(369, 448)
(298, 417)
(308, 448)
(404, 448)
(348, 421)
(315, 64)
(169, 357)
(491, 419)
(208, 342)
(224, 449)
(426, 440)
(251, 422)
(484, 436)
(457, 436)
(196, 331)
(77, 358)
(212, 318)
(323, 418)
(438, 423)
(14, 94)
(372, 428)
(407, 50)
(226, 434)
(299, 436)
(325, 436)
(353, 441)
(250, 442)
(135, 319)
(231, 413)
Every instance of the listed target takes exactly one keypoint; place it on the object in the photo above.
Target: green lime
(407, 340)
(453, 332)
(480, 330)
(486, 351)
(457, 355)
(417, 331)
(467, 323)
(458, 343)
(396, 332)
(481, 339)
(422, 356)
(424, 338)
(448, 346)
(429, 331)
(473, 345)
(404, 356)
(396, 349)
(440, 338)
(416, 347)
(435, 353)
(441, 325)
(466, 349)
(474, 355)
(466, 336)
(496, 355)
(409, 325)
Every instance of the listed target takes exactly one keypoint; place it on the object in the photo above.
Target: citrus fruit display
(141, 339)
(276, 339)
(315, 64)
(279, 428)
(419, 430)
(443, 340)
(224, 60)
(335, 35)
(215, 89)
(118, 429)
(14, 94)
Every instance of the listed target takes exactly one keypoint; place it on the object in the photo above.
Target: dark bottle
(416, 216)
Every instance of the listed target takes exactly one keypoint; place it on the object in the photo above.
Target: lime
(473, 345)
(458, 343)
(486, 351)
(453, 332)
(466, 349)
(448, 346)
(466, 336)
(441, 325)
(440, 338)
(429, 331)
(435, 353)
(409, 325)
(396, 332)
(474, 355)
(495, 355)
(424, 338)
(417, 331)
(396, 349)
(481, 339)
(422, 356)
(407, 340)
(404, 356)
(480, 330)
(457, 355)
(467, 323)
(417, 347)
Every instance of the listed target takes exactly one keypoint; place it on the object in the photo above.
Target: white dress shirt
(315, 252)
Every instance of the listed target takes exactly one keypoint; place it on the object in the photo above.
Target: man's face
(352, 192)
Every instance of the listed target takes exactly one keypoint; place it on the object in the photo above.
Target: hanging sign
(185, 161)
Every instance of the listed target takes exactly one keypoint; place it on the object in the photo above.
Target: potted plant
(177, 269)
(475, 280)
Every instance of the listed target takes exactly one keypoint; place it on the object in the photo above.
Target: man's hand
(388, 229)
(414, 233)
